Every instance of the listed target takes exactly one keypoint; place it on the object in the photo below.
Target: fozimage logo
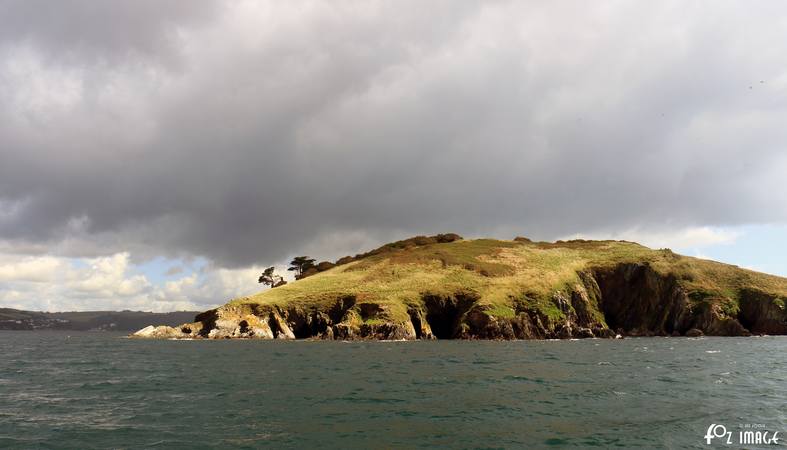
(748, 434)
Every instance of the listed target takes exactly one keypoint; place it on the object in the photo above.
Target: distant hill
(445, 287)
(14, 319)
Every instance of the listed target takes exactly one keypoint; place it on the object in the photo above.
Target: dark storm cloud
(245, 132)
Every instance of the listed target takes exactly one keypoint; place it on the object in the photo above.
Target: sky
(157, 154)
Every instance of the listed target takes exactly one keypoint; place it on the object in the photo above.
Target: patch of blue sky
(160, 269)
(758, 247)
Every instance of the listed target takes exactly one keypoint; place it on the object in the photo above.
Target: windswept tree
(270, 278)
(300, 264)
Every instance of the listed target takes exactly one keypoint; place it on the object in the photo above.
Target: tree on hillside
(301, 264)
(270, 278)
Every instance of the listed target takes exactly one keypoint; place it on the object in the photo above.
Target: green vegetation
(503, 275)
(270, 278)
(301, 264)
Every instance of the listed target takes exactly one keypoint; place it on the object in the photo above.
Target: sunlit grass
(502, 273)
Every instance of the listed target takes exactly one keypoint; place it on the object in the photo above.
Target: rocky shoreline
(627, 300)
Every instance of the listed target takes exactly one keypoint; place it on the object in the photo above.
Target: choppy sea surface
(99, 390)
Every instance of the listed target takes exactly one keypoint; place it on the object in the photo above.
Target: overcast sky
(156, 154)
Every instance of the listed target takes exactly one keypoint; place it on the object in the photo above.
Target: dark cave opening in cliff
(301, 330)
(415, 318)
(444, 314)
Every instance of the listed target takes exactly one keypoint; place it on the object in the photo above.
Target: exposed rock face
(628, 299)
(345, 320)
(161, 332)
(762, 313)
(694, 333)
(636, 299)
(447, 316)
(234, 321)
(421, 326)
(711, 320)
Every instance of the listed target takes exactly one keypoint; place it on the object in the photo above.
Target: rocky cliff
(505, 290)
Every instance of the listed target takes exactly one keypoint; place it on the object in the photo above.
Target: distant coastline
(15, 319)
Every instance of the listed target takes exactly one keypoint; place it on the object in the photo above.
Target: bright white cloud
(212, 286)
(30, 269)
(58, 284)
(693, 237)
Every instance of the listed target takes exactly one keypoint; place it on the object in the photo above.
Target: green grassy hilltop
(487, 288)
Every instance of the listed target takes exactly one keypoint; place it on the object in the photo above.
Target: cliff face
(635, 297)
(762, 313)
(636, 300)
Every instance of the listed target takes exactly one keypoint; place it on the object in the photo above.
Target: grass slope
(502, 272)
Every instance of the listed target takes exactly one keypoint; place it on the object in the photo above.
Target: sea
(83, 390)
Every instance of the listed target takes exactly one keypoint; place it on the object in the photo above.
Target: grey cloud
(285, 126)
(89, 31)
(174, 270)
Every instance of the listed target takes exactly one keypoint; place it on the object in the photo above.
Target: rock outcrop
(762, 313)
